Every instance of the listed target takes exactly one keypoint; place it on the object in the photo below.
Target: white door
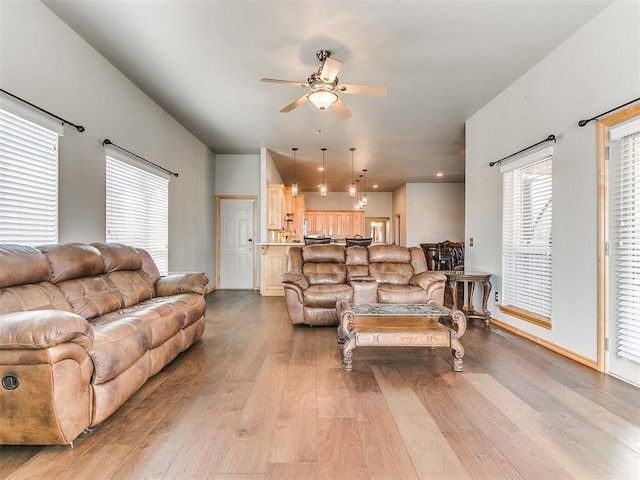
(624, 251)
(236, 244)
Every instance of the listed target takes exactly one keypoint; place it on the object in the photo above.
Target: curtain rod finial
(80, 128)
(582, 123)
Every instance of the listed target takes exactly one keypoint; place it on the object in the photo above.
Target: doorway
(235, 239)
(377, 228)
(619, 245)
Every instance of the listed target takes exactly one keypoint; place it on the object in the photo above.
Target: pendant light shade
(323, 185)
(294, 185)
(352, 187)
(364, 189)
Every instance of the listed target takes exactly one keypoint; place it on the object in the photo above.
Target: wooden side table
(455, 276)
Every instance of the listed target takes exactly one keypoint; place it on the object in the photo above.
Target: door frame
(603, 229)
(216, 236)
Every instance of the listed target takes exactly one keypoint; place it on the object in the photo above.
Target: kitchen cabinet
(296, 206)
(275, 207)
(273, 265)
(335, 224)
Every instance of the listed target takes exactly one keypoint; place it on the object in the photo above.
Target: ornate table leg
(453, 287)
(459, 321)
(486, 290)
(470, 288)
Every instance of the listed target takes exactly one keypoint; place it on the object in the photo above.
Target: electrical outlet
(471, 241)
(496, 296)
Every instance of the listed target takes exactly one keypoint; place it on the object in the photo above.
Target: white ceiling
(441, 61)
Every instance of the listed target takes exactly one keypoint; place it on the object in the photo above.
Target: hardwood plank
(333, 396)
(432, 455)
(249, 448)
(383, 447)
(569, 453)
(238, 476)
(202, 451)
(480, 457)
(339, 451)
(303, 353)
(292, 471)
(295, 436)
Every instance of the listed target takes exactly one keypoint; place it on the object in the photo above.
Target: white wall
(595, 70)
(399, 208)
(237, 174)
(45, 62)
(434, 212)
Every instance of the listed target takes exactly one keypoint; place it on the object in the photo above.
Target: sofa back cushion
(123, 265)
(323, 264)
(390, 264)
(73, 260)
(357, 261)
(20, 265)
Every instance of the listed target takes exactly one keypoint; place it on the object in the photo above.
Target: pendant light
(364, 189)
(323, 186)
(352, 187)
(358, 204)
(294, 185)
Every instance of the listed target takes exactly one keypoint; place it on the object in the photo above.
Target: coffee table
(398, 325)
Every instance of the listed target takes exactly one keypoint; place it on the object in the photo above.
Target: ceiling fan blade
(296, 103)
(379, 90)
(341, 109)
(330, 69)
(284, 82)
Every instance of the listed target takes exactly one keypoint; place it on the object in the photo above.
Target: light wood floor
(257, 399)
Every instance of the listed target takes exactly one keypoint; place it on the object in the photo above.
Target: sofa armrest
(190, 282)
(296, 278)
(425, 280)
(42, 329)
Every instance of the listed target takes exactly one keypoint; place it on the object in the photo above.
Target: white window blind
(526, 233)
(625, 242)
(28, 177)
(138, 210)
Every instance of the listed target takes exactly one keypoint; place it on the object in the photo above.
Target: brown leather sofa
(82, 327)
(320, 275)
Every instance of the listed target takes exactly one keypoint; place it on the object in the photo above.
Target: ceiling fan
(325, 86)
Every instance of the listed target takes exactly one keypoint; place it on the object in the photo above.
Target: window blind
(625, 245)
(28, 179)
(137, 210)
(526, 233)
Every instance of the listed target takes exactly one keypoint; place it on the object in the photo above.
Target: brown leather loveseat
(320, 275)
(82, 327)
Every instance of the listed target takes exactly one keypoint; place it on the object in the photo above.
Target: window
(138, 209)
(526, 237)
(28, 176)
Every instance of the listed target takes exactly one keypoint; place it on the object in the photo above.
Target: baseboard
(545, 343)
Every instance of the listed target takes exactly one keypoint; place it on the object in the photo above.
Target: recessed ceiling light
(320, 169)
(375, 186)
(439, 174)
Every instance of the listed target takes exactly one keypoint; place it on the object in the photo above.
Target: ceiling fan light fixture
(322, 99)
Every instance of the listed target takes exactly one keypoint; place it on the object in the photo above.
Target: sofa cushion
(39, 296)
(392, 273)
(163, 318)
(327, 295)
(191, 306)
(117, 345)
(401, 294)
(72, 260)
(324, 273)
(20, 265)
(357, 261)
(135, 287)
(389, 253)
(323, 254)
(119, 257)
(91, 297)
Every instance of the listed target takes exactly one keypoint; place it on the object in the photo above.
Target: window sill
(531, 317)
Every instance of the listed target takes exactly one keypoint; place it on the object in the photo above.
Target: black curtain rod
(582, 123)
(80, 128)
(109, 142)
(550, 138)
